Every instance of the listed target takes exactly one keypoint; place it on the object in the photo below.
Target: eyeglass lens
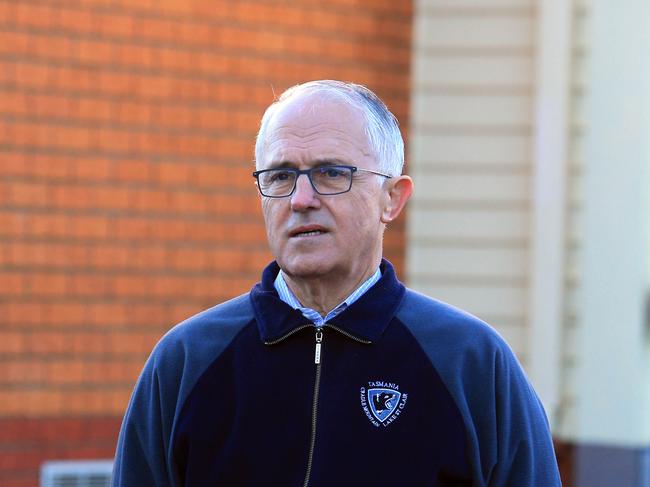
(326, 180)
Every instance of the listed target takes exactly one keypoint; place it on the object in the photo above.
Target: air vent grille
(96, 473)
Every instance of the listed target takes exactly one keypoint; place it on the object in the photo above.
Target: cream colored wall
(471, 157)
(608, 382)
(475, 152)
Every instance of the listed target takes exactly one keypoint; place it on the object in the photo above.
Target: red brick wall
(27, 442)
(120, 123)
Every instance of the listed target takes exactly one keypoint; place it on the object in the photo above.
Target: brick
(130, 113)
(105, 257)
(39, 16)
(94, 168)
(93, 52)
(21, 479)
(12, 342)
(76, 20)
(50, 165)
(152, 200)
(12, 102)
(115, 25)
(18, 314)
(240, 177)
(46, 342)
(52, 47)
(188, 259)
(148, 315)
(188, 202)
(133, 229)
(111, 314)
(22, 372)
(47, 284)
(115, 83)
(133, 171)
(96, 227)
(173, 173)
(32, 402)
(66, 196)
(134, 344)
(19, 163)
(113, 197)
(7, 133)
(30, 194)
(130, 285)
(7, 71)
(24, 254)
(91, 109)
(111, 140)
(150, 257)
(8, 12)
(47, 225)
(49, 107)
(12, 284)
(73, 255)
(21, 314)
(5, 254)
(5, 189)
(15, 43)
(210, 175)
(88, 285)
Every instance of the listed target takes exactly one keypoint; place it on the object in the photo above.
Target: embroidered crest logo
(382, 402)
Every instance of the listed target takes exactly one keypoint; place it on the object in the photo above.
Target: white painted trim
(548, 199)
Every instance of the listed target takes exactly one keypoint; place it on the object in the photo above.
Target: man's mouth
(310, 231)
(308, 234)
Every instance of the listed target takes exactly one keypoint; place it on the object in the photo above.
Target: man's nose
(304, 196)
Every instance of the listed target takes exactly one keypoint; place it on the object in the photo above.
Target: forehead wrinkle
(305, 146)
(304, 140)
(314, 130)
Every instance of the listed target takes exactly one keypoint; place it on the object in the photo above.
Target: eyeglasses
(326, 180)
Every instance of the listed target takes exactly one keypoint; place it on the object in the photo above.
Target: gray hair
(381, 127)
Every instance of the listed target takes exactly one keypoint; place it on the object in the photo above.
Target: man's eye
(332, 172)
(280, 176)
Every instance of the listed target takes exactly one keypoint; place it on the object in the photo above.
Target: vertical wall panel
(470, 143)
(567, 420)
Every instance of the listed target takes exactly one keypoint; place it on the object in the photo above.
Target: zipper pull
(319, 339)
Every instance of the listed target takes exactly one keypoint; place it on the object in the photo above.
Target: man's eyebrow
(331, 161)
(325, 161)
(281, 164)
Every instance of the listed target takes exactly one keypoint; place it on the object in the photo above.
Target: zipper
(287, 335)
(343, 332)
(318, 363)
(314, 411)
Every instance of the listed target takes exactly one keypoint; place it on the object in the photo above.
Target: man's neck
(323, 295)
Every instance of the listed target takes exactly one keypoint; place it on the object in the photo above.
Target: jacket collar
(366, 318)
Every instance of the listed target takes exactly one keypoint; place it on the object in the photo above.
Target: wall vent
(78, 473)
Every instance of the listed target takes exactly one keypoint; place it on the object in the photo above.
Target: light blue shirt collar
(312, 315)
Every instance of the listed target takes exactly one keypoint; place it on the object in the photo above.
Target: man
(331, 372)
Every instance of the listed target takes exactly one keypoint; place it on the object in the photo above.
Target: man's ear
(399, 190)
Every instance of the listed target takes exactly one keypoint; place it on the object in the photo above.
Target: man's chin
(305, 268)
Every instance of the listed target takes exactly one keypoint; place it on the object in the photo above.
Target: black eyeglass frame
(308, 173)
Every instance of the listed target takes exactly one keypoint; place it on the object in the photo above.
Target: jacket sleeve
(145, 449)
(508, 438)
(524, 446)
(141, 455)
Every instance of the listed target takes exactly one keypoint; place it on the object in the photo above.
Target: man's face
(313, 235)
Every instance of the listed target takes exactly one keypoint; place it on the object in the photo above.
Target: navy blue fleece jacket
(404, 390)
